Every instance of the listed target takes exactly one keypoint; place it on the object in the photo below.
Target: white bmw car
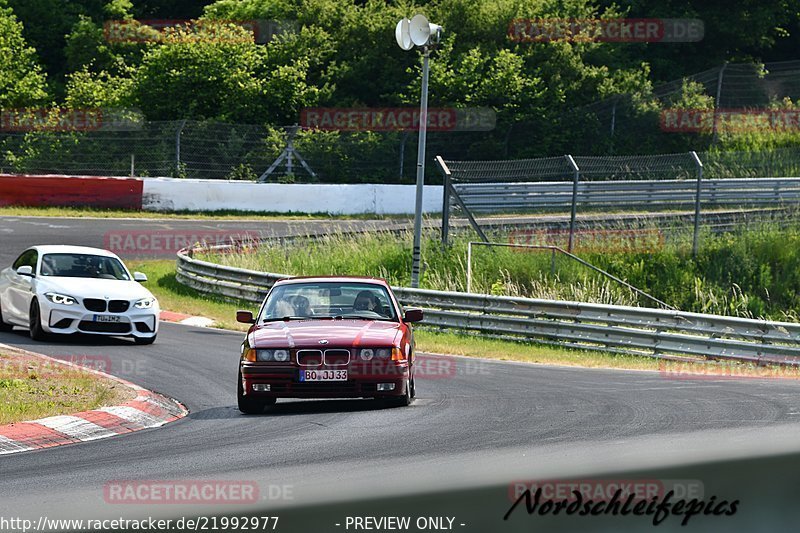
(75, 289)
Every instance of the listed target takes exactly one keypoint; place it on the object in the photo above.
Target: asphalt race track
(481, 424)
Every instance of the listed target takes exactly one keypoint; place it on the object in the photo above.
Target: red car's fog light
(382, 387)
(261, 387)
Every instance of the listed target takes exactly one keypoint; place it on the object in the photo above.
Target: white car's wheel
(37, 332)
(3, 325)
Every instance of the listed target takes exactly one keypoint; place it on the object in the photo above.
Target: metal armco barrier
(667, 181)
(492, 197)
(609, 328)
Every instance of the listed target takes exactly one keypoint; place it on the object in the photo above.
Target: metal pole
(469, 267)
(717, 100)
(290, 150)
(614, 116)
(573, 215)
(178, 148)
(133, 165)
(698, 190)
(403, 154)
(445, 200)
(423, 127)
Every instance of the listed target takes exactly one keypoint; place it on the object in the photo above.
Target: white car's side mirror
(140, 277)
(25, 270)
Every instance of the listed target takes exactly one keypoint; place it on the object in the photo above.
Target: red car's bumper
(362, 381)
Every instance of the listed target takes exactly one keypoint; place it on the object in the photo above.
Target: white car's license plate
(323, 375)
(107, 318)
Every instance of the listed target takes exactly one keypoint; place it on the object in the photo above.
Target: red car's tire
(248, 404)
(401, 401)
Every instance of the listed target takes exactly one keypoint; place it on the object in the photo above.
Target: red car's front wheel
(248, 404)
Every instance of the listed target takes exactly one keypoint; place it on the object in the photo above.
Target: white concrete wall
(168, 194)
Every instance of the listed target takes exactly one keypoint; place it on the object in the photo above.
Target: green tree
(22, 83)
(46, 24)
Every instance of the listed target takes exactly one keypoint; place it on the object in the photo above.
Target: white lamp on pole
(409, 33)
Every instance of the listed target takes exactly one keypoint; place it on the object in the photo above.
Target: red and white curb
(189, 320)
(147, 410)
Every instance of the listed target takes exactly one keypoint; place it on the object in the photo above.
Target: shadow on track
(293, 408)
(20, 337)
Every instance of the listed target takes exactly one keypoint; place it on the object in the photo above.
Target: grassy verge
(172, 296)
(751, 272)
(90, 212)
(33, 388)
(175, 297)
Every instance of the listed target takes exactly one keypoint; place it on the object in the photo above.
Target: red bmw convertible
(327, 337)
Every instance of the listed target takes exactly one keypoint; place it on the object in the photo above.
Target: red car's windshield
(367, 301)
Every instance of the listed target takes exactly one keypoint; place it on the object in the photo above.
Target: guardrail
(493, 197)
(527, 185)
(627, 330)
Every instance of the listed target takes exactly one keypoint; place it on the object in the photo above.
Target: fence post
(445, 199)
(178, 147)
(469, 267)
(575, 178)
(403, 154)
(717, 101)
(697, 193)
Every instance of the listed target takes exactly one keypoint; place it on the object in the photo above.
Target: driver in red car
(367, 301)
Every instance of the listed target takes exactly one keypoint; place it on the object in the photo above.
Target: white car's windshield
(329, 300)
(83, 266)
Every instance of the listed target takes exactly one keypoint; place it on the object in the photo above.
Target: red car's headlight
(367, 354)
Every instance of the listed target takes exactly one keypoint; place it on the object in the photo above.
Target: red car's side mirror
(413, 315)
(245, 317)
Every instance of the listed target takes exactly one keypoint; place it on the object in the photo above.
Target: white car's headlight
(61, 299)
(145, 303)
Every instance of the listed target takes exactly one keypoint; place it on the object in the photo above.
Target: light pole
(418, 31)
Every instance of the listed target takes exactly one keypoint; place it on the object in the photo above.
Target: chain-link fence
(623, 124)
(692, 189)
(214, 150)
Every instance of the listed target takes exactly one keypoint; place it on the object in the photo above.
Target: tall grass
(753, 272)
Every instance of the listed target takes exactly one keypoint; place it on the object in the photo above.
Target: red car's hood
(308, 333)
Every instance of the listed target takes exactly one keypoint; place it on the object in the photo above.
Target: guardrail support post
(697, 194)
(575, 177)
(445, 199)
(469, 267)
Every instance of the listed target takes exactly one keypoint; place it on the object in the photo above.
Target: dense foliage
(342, 53)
